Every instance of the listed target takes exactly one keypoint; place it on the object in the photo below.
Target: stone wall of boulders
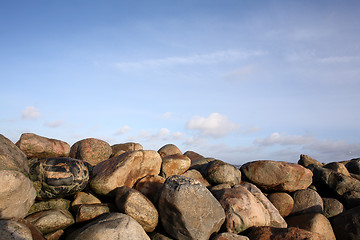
(92, 190)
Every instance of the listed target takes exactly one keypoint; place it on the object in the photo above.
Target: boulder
(150, 186)
(110, 226)
(347, 224)
(332, 207)
(174, 165)
(353, 166)
(283, 202)
(58, 203)
(271, 233)
(307, 201)
(229, 236)
(201, 165)
(35, 146)
(351, 199)
(219, 172)
(81, 198)
(195, 174)
(188, 210)
(124, 170)
(169, 149)
(277, 176)
(118, 149)
(17, 229)
(51, 220)
(59, 177)
(17, 194)
(159, 236)
(306, 160)
(193, 155)
(86, 212)
(313, 222)
(91, 150)
(137, 206)
(337, 167)
(11, 157)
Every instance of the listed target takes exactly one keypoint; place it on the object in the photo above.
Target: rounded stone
(307, 201)
(169, 149)
(283, 202)
(174, 165)
(91, 150)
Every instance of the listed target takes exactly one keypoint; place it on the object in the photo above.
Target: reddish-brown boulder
(271, 233)
(169, 149)
(119, 149)
(150, 186)
(91, 150)
(193, 155)
(283, 202)
(174, 165)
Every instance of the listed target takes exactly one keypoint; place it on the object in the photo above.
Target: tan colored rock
(219, 172)
(313, 222)
(17, 194)
(124, 170)
(307, 201)
(35, 146)
(174, 165)
(137, 206)
(11, 157)
(283, 202)
(229, 236)
(306, 160)
(81, 198)
(195, 174)
(54, 235)
(169, 149)
(193, 155)
(271, 233)
(91, 150)
(150, 186)
(119, 149)
(338, 167)
(332, 207)
(277, 175)
(188, 210)
(86, 212)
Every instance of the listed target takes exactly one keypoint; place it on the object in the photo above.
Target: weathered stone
(277, 176)
(332, 207)
(51, 220)
(137, 206)
(347, 224)
(86, 212)
(201, 165)
(313, 222)
(351, 199)
(17, 194)
(91, 150)
(159, 236)
(271, 233)
(229, 236)
(306, 160)
(337, 167)
(193, 155)
(124, 170)
(276, 219)
(307, 201)
(35, 146)
(119, 149)
(283, 202)
(11, 157)
(81, 198)
(242, 209)
(14, 230)
(169, 149)
(58, 203)
(59, 177)
(150, 186)
(54, 235)
(110, 226)
(353, 166)
(174, 165)
(188, 210)
(195, 174)
(219, 172)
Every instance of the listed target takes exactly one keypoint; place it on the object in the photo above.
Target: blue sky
(234, 80)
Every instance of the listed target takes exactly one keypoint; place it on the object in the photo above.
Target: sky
(236, 80)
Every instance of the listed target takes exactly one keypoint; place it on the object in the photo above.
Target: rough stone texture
(306, 160)
(81, 198)
(110, 226)
(51, 220)
(11, 157)
(229, 236)
(353, 166)
(59, 177)
(313, 222)
(193, 155)
(35, 146)
(277, 176)
(283, 202)
(137, 206)
(271, 233)
(14, 230)
(124, 170)
(201, 165)
(337, 167)
(242, 209)
(332, 207)
(219, 172)
(178, 199)
(91, 150)
(347, 224)
(55, 235)
(195, 174)
(307, 201)
(17, 194)
(276, 219)
(86, 212)
(169, 149)
(150, 186)
(351, 199)
(58, 203)
(119, 149)
(174, 165)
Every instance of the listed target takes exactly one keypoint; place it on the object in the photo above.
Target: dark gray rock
(353, 166)
(347, 224)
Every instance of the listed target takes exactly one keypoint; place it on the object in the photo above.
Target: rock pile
(92, 190)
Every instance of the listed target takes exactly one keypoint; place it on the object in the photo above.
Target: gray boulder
(347, 224)
(11, 157)
(307, 201)
(332, 207)
(219, 172)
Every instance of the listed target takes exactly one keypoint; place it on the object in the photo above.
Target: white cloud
(123, 130)
(31, 113)
(277, 138)
(54, 124)
(167, 115)
(162, 134)
(215, 125)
